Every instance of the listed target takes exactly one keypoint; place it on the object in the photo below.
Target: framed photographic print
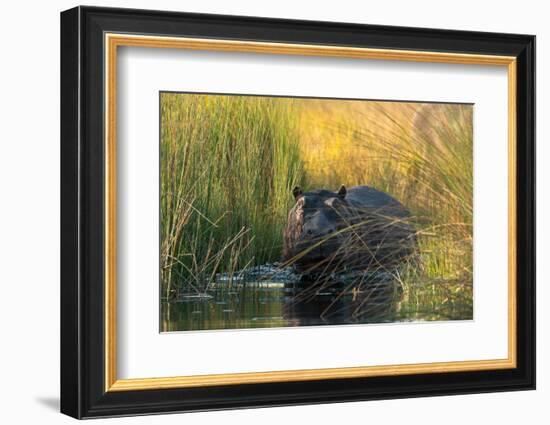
(261, 212)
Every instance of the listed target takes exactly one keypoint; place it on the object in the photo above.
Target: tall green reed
(228, 164)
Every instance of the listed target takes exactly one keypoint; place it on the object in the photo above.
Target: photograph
(296, 211)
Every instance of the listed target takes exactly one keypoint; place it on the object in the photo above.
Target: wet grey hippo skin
(359, 228)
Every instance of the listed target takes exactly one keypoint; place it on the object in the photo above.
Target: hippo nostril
(309, 232)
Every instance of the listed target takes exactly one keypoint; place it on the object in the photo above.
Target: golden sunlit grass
(419, 153)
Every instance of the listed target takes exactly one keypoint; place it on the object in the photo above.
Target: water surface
(267, 304)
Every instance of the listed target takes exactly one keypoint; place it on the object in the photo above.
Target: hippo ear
(342, 192)
(296, 192)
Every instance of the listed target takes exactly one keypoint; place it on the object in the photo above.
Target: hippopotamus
(360, 228)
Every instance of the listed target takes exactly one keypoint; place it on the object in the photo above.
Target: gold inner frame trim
(113, 41)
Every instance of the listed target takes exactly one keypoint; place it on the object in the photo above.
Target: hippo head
(313, 230)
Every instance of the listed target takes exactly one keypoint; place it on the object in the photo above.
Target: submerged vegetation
(229, 163)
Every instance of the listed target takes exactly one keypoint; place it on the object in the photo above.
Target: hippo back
(370, 199)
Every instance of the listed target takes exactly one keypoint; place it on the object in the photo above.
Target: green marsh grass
(228, 165)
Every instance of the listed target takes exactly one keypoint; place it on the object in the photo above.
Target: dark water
(262, 305)
(289, 302)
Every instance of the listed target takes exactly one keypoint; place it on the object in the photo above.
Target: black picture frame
(83, 392)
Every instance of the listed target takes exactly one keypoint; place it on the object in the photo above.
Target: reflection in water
(285, 299)
(264, 305)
